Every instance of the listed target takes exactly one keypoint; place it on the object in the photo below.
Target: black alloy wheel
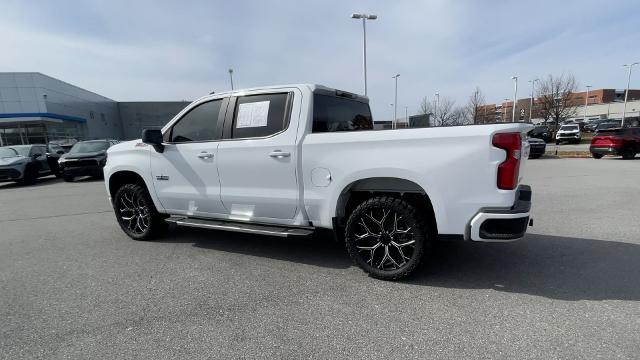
(136, 213)
(386, 237)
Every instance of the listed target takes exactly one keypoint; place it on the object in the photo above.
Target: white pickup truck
(291, 160)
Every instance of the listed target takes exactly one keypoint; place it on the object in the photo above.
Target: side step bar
(272, 230)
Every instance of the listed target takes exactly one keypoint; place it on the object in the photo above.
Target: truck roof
(316, 88)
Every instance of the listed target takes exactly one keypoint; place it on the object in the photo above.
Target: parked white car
(569, 133)
(292, 160)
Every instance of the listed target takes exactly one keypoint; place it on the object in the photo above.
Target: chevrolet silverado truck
(293, 160)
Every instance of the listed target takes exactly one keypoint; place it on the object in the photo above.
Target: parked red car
(624, 142)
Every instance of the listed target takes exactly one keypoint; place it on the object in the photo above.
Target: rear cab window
(340, 113)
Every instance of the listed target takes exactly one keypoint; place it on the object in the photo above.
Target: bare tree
(476, 101)
(554, 101)
(426, 106)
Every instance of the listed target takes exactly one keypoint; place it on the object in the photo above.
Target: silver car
(23, 163)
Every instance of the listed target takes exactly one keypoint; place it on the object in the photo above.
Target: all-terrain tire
(399, 239)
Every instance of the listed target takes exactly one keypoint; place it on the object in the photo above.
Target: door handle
(279, 154)
(205, 155)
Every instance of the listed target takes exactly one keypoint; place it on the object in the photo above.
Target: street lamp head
(396, 76)
(230, 71)
(364, 16)
(629, 65)
(514, 77)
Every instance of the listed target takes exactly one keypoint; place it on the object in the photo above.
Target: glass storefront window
(40, 133)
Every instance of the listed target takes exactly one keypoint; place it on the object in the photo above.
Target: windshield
(608, 132)
(89, 147)
(569, 127)
(14, 151)
(608, 126)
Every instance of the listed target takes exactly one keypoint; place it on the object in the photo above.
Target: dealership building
(36, 108)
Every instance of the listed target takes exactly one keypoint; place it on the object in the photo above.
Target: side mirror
(37, 155)
(153, 137)
(60, 152)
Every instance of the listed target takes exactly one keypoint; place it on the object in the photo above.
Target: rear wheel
(68, 178)
(628, 153)
(597, 156)
(386, 237)
(136, 214)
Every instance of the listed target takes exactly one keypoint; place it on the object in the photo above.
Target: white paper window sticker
(252, 114)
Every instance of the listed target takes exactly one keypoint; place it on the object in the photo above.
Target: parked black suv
(86, 158)
(541, 132)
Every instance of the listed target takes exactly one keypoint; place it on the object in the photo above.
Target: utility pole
(406, 115)
(626, 93)
(532, 95)
(231, 77)
(437, 105)
(515, 98)
(395, 103)
(364, 18)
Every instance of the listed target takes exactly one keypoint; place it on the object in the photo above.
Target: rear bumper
(537, 150)
(502, 224)
(604, 150)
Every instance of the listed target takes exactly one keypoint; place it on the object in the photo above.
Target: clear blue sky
(172, 50)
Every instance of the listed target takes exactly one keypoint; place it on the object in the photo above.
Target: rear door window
(260, 115)
(333, 113)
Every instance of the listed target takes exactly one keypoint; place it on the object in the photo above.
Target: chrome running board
(249, 228)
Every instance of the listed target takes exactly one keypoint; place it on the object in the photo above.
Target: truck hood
(12, 160)
(84, 155)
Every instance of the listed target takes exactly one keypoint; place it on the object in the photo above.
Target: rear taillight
(509, 168)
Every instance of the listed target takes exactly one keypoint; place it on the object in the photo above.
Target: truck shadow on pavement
(555, 267)
(318, 251)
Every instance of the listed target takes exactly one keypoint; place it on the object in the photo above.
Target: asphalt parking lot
(72, 285)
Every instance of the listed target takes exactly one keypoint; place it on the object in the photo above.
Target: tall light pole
(533, 82)
(395, 102)
(231, 77)
(626, 93)
(437, 105)
(515, 97)
(406, 116)
(586, 102)
(364, 18)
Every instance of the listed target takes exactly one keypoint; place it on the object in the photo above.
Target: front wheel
(597, 156)
(136, 214)
(386, 237)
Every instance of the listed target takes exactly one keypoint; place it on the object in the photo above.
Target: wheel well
(361, 190)
(123, 177)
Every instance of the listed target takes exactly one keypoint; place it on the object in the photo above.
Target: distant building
(612, 98)
(36, 108)
(415, 121)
